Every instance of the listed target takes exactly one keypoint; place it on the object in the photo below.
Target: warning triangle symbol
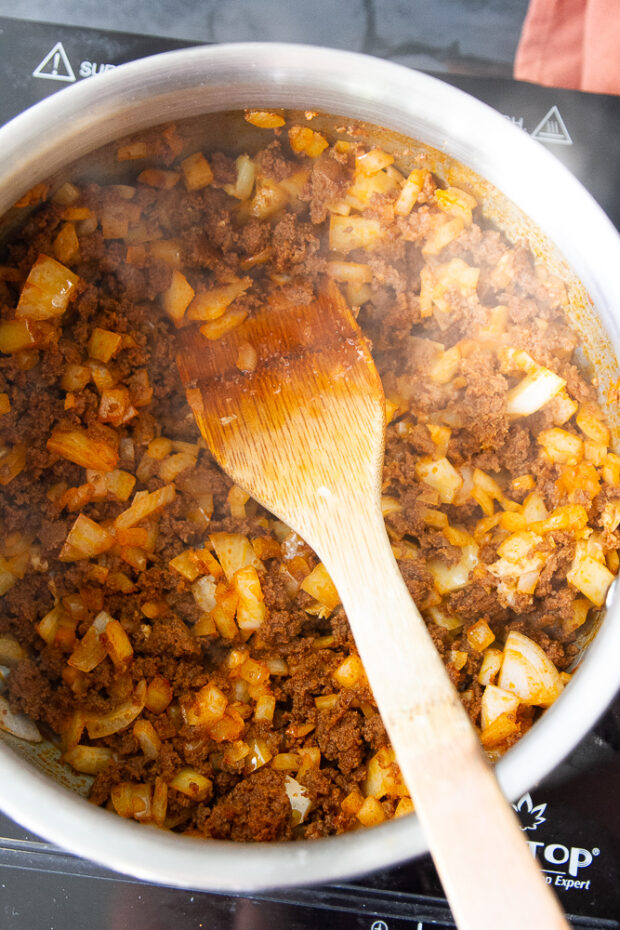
(55, 66)
(552, 128)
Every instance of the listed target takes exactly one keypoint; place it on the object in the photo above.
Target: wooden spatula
(292, 408)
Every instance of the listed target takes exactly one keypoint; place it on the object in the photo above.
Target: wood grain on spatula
(302, 430)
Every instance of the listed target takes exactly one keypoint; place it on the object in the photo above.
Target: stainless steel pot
(539, 198)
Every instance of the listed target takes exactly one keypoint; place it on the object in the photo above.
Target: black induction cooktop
(571, 821)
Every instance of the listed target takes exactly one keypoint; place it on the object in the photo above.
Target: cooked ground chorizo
(177, 642)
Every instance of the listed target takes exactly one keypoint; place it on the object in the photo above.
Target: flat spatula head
(307, 421)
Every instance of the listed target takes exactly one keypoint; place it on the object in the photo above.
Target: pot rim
(390, 95)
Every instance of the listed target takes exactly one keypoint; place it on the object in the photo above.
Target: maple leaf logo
(531, 817)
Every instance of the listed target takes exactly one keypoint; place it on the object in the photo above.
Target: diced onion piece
(383, 777)
(20, 335)
(115, 406)
(147, 737)
(405, 806)
(391, 505)
(77, 446)
(120, 484)
(47, 291)
(306, 141)
(441, 475)
(208, 706)
(177, 297)
(517, 548)
(498, 731)
(236, 752)
(347, 233)
(480, 635)
(12, 462)
(265, 708)
(444, 620)
(590, 422)
(310, 759)
(410, 191)
(251, 607)
(446, 366)
(232, 318)
(371, 813)
(495, 701)
(158, 177)
(533, 392)
(286, 762)
(11, 651)
(89, 652)
(100, 725)
(350, 272)
(372, 161)
(264, 119)
(527, 672)
(66, 194)
(326, 702)
(580, 609)
(563, 408)
(610, 518)
(457, 202)
(234, 551)
(229, 728)
(364, 188)
(132, 151)
(212, 304)
(269, 197)
(175, 464)
(444, 232)
(166, 250)
(17, 724)
(158, 696)
(90, 760)
(103, 344)
(319, 585)
(534, 509)
(85, 540)
(590, 576)
(117, 644)
(259, 754)
(236, 500)
(491, 664)
(561, 446)
(144, 506)
(66, 244)
(246, 173)
(567, 517)
(458, 659)
(159, 448)
(159, 803)
(452, 577)
(350, 672)
(203, 590)
(300, 803)
(611, 469)
(132, 800)
(197, 171)
(185, 564)
(223, 615)
(594, 452)
(247, 357)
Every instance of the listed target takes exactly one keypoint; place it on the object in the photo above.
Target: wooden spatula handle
(490, 877)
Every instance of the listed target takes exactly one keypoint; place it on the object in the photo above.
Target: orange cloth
(571, 43)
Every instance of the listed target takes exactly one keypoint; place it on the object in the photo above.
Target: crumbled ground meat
(218, 707)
